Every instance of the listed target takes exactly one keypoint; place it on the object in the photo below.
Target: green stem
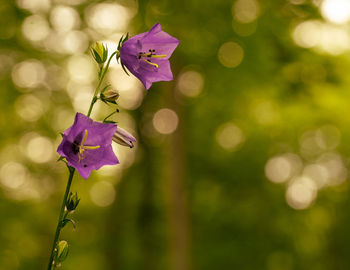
(103, 73)
(109, 115)
(59, 224)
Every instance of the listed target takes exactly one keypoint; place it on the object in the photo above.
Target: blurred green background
(241, 162)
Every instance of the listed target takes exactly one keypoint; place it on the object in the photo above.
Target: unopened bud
(110, 95)
(121, 136)
(72, 201)
(62, 251)
(99, 52)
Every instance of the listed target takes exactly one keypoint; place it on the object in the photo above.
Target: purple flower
(147, 55)
(122, 137)
(87, 145)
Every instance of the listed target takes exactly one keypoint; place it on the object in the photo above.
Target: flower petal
(98, 135)
(162, 43)
(154, 74)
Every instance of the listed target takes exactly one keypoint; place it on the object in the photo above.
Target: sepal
(122, 40)
(63, 159)
(124, 68)
(120, 44)
(99, 52)
(72, 201)
(62, 251)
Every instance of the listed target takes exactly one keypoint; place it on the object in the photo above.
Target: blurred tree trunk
(176, 191)
(145, 177)
(136, 209)
(114, 228)
(147, 215)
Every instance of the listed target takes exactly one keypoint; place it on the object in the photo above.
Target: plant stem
(59, 223)
(103, 73)
(109, 116)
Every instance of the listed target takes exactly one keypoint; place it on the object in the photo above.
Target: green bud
(99, 52)
(109, 95)
(72, 201)
(62, 251)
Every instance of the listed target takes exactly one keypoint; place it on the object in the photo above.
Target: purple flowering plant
(87, 144)
(147, 55)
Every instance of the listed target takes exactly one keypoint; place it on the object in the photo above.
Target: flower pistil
(81, 148)
(147, 57)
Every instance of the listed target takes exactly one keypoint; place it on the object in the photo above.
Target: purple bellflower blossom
(86, 145)
(147, 55)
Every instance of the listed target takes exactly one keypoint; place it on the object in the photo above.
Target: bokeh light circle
(39, 149)
(29, 73)
(165, 121)
(301, 192)
(336, 11)
(190, 83)
(229, 136)
(102, 193)
(230, 54)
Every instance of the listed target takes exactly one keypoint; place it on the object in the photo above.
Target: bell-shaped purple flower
(86, 145)
(147, 55)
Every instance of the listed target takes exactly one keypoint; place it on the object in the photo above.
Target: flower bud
(72, 201)
(110, 95)
(123, 137)
(99, 52)
(62, 251)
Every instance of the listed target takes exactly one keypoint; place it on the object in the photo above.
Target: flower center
(80, 149)
(148, 56)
